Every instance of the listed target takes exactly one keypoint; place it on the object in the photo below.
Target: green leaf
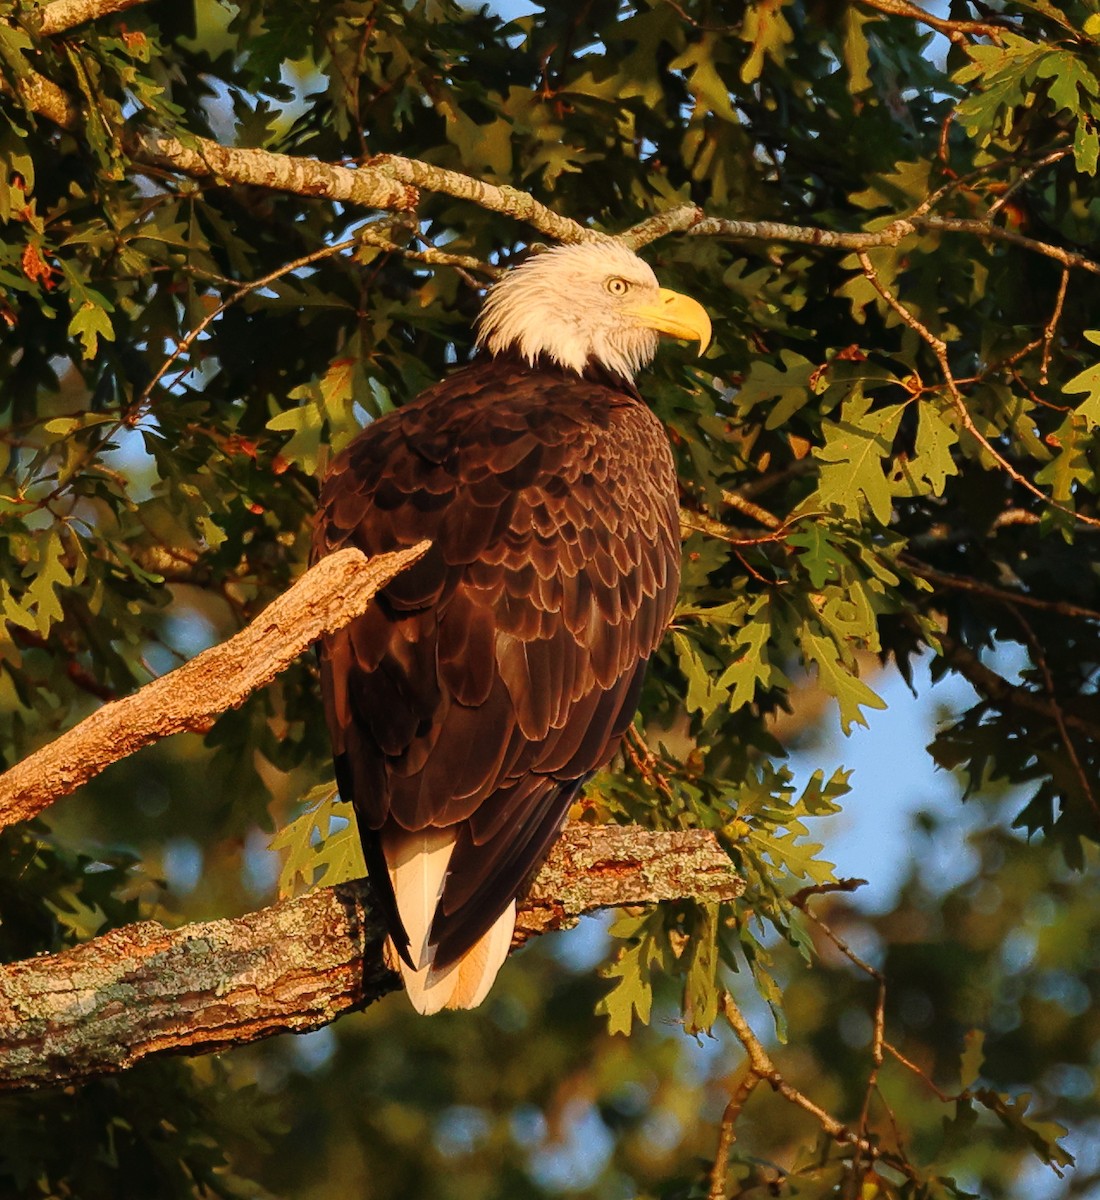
(857, 56)
(90, 323)
(305, 423)
(998, 81)
(851, 693)
(1069, 77)
(1041, 1136)
(789, 383)
(704, 694)
(1087, 383)
(704, 81)
(973, 1056)
(819, 556)
(751, 667)
(701, 991)
(852, 458)
(321, 847)
(769, 34)
(1086, 145)
(49, 575)
(927, 472)
(631, 994)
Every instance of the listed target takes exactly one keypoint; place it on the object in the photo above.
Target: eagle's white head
(592, 304)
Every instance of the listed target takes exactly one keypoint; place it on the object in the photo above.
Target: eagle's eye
(617, 286)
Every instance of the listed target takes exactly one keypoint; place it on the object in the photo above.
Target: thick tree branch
(329, 595)
(60, 15)
(202, 158)
(296, 966)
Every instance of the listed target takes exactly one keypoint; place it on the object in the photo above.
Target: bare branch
(202, 158)
(1040, 660)
(963, 583)
(727, 1133)
(674, 220)
(807, 235)
(296, 966)
(326, 597)
(889, 235)
(761, 1065)
(950, 28)
(43, 96)
(997, 233)
(1009, 697)
(497, 198)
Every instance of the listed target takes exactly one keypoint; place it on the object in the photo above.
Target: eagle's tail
(418, 868)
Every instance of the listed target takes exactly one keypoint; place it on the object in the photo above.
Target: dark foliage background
(881, 458)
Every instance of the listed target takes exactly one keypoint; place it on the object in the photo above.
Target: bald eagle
(487, 682)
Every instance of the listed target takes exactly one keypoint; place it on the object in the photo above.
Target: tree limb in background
(144, 989)
(326, 597)
(391, 182)
(60, 15)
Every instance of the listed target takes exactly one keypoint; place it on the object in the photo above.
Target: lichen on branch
(144, 990)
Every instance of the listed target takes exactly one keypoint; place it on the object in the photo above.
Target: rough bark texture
(325, 598)
(296, 966)
(60, 15)
(201, 157)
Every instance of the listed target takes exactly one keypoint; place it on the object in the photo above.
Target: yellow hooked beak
(679, 316)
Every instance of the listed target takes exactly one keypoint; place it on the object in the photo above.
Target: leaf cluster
(883, 457)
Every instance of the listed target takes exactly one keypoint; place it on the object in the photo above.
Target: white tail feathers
(418, 865)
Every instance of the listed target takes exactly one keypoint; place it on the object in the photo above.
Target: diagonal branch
(948, 26)
(386, 182)
(144, 990)
(60, 15)
(1010, 697)
(326, 597)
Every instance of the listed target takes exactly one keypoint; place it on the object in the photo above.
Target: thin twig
(1006, 696)
(879, 1030)
(963, 583)
(246, 289)
(909, 1065)
(1052, 326)
(940, 350)
(799, 898)
(1039, 658)
(891, 234)
(727, 1133)
(1027, 174)
(760, 1063)
(646, 763)
(750, 509)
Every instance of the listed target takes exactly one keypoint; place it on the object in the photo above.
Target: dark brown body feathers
(490, 679)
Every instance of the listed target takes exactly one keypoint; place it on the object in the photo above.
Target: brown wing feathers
(489, 680)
